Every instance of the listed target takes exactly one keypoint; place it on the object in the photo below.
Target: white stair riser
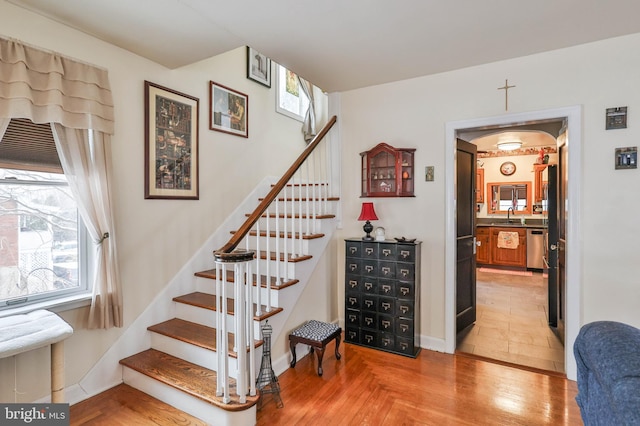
(194, 406)
(312, 226)
(206, 285)
(300, 247)
(195, 354)
(207, 317)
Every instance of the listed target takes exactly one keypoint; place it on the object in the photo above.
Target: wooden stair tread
(211, 274)
(306, 199)
(293, 235)
(290, 258)
(208, 301)
(295, 216)
(195, 334)
(190, 378)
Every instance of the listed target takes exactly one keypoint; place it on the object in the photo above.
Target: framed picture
(229, 110)
(171, 144)
(258, 67)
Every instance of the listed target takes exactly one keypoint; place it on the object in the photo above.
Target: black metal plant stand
(267, 381)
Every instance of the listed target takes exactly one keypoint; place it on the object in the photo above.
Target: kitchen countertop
(515, 224)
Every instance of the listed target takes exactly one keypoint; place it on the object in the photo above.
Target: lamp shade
(368, 213)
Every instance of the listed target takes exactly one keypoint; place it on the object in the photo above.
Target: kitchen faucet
(510, 209)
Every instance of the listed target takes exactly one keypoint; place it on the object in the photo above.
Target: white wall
(155, 237)
(414, 113)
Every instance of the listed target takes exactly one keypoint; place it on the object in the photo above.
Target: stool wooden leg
(57, 372)
(337, 346)
(292, 346)
(320, 354)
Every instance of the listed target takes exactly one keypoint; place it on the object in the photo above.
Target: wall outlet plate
(428, 173)
(626, 158)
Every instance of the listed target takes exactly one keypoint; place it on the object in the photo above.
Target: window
(290, 98)
(42, 239)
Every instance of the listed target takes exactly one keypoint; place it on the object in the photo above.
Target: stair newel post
(222, 349)
(241, 262)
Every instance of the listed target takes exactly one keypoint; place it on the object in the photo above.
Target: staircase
(204, 360)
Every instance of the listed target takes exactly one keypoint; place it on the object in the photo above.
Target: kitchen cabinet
(538, 182)
(387, 172)
(382, 295)
(483, 246)
(488, 252)
(479, 186)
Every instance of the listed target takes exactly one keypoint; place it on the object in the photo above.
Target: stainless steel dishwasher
(535, 248)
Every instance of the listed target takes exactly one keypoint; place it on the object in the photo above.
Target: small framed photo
(616, 118)
(258, 67)
(229, 110)
(171, 144)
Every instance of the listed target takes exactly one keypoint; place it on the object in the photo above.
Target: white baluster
(250, 334)
(286, 239)
(258, 277)
(268, 271)
(240, 341)
(277, 264)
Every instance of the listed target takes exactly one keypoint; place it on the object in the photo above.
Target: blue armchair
(608, 359)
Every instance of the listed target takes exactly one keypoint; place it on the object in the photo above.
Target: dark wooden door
(465, 234)
(552, 245)
(562, 234)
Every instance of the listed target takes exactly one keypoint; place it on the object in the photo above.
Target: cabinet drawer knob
(386, 252)
(386, 270)
(369, 250)
(405, 253)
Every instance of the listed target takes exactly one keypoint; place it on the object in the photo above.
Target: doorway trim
(573, 115)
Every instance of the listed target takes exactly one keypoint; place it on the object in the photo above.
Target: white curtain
(86, 159)
(309, 124)
(75, 97)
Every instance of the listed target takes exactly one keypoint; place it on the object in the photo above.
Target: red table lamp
(368, 213)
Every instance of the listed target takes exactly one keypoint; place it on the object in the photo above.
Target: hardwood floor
(370, 387)
(511, 324)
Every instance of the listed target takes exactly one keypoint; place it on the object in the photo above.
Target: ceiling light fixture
(509, 146)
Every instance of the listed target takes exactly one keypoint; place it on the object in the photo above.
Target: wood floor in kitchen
(511, 323)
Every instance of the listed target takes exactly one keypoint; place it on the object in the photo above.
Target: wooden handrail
(275, 190)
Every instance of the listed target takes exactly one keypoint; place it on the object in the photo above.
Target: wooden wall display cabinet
(387, 171)
(382, 295)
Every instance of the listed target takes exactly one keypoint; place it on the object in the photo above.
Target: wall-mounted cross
(506, 88)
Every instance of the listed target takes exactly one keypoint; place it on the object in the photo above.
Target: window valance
(46, 87)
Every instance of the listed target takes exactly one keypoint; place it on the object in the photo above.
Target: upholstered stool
(316, 334)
